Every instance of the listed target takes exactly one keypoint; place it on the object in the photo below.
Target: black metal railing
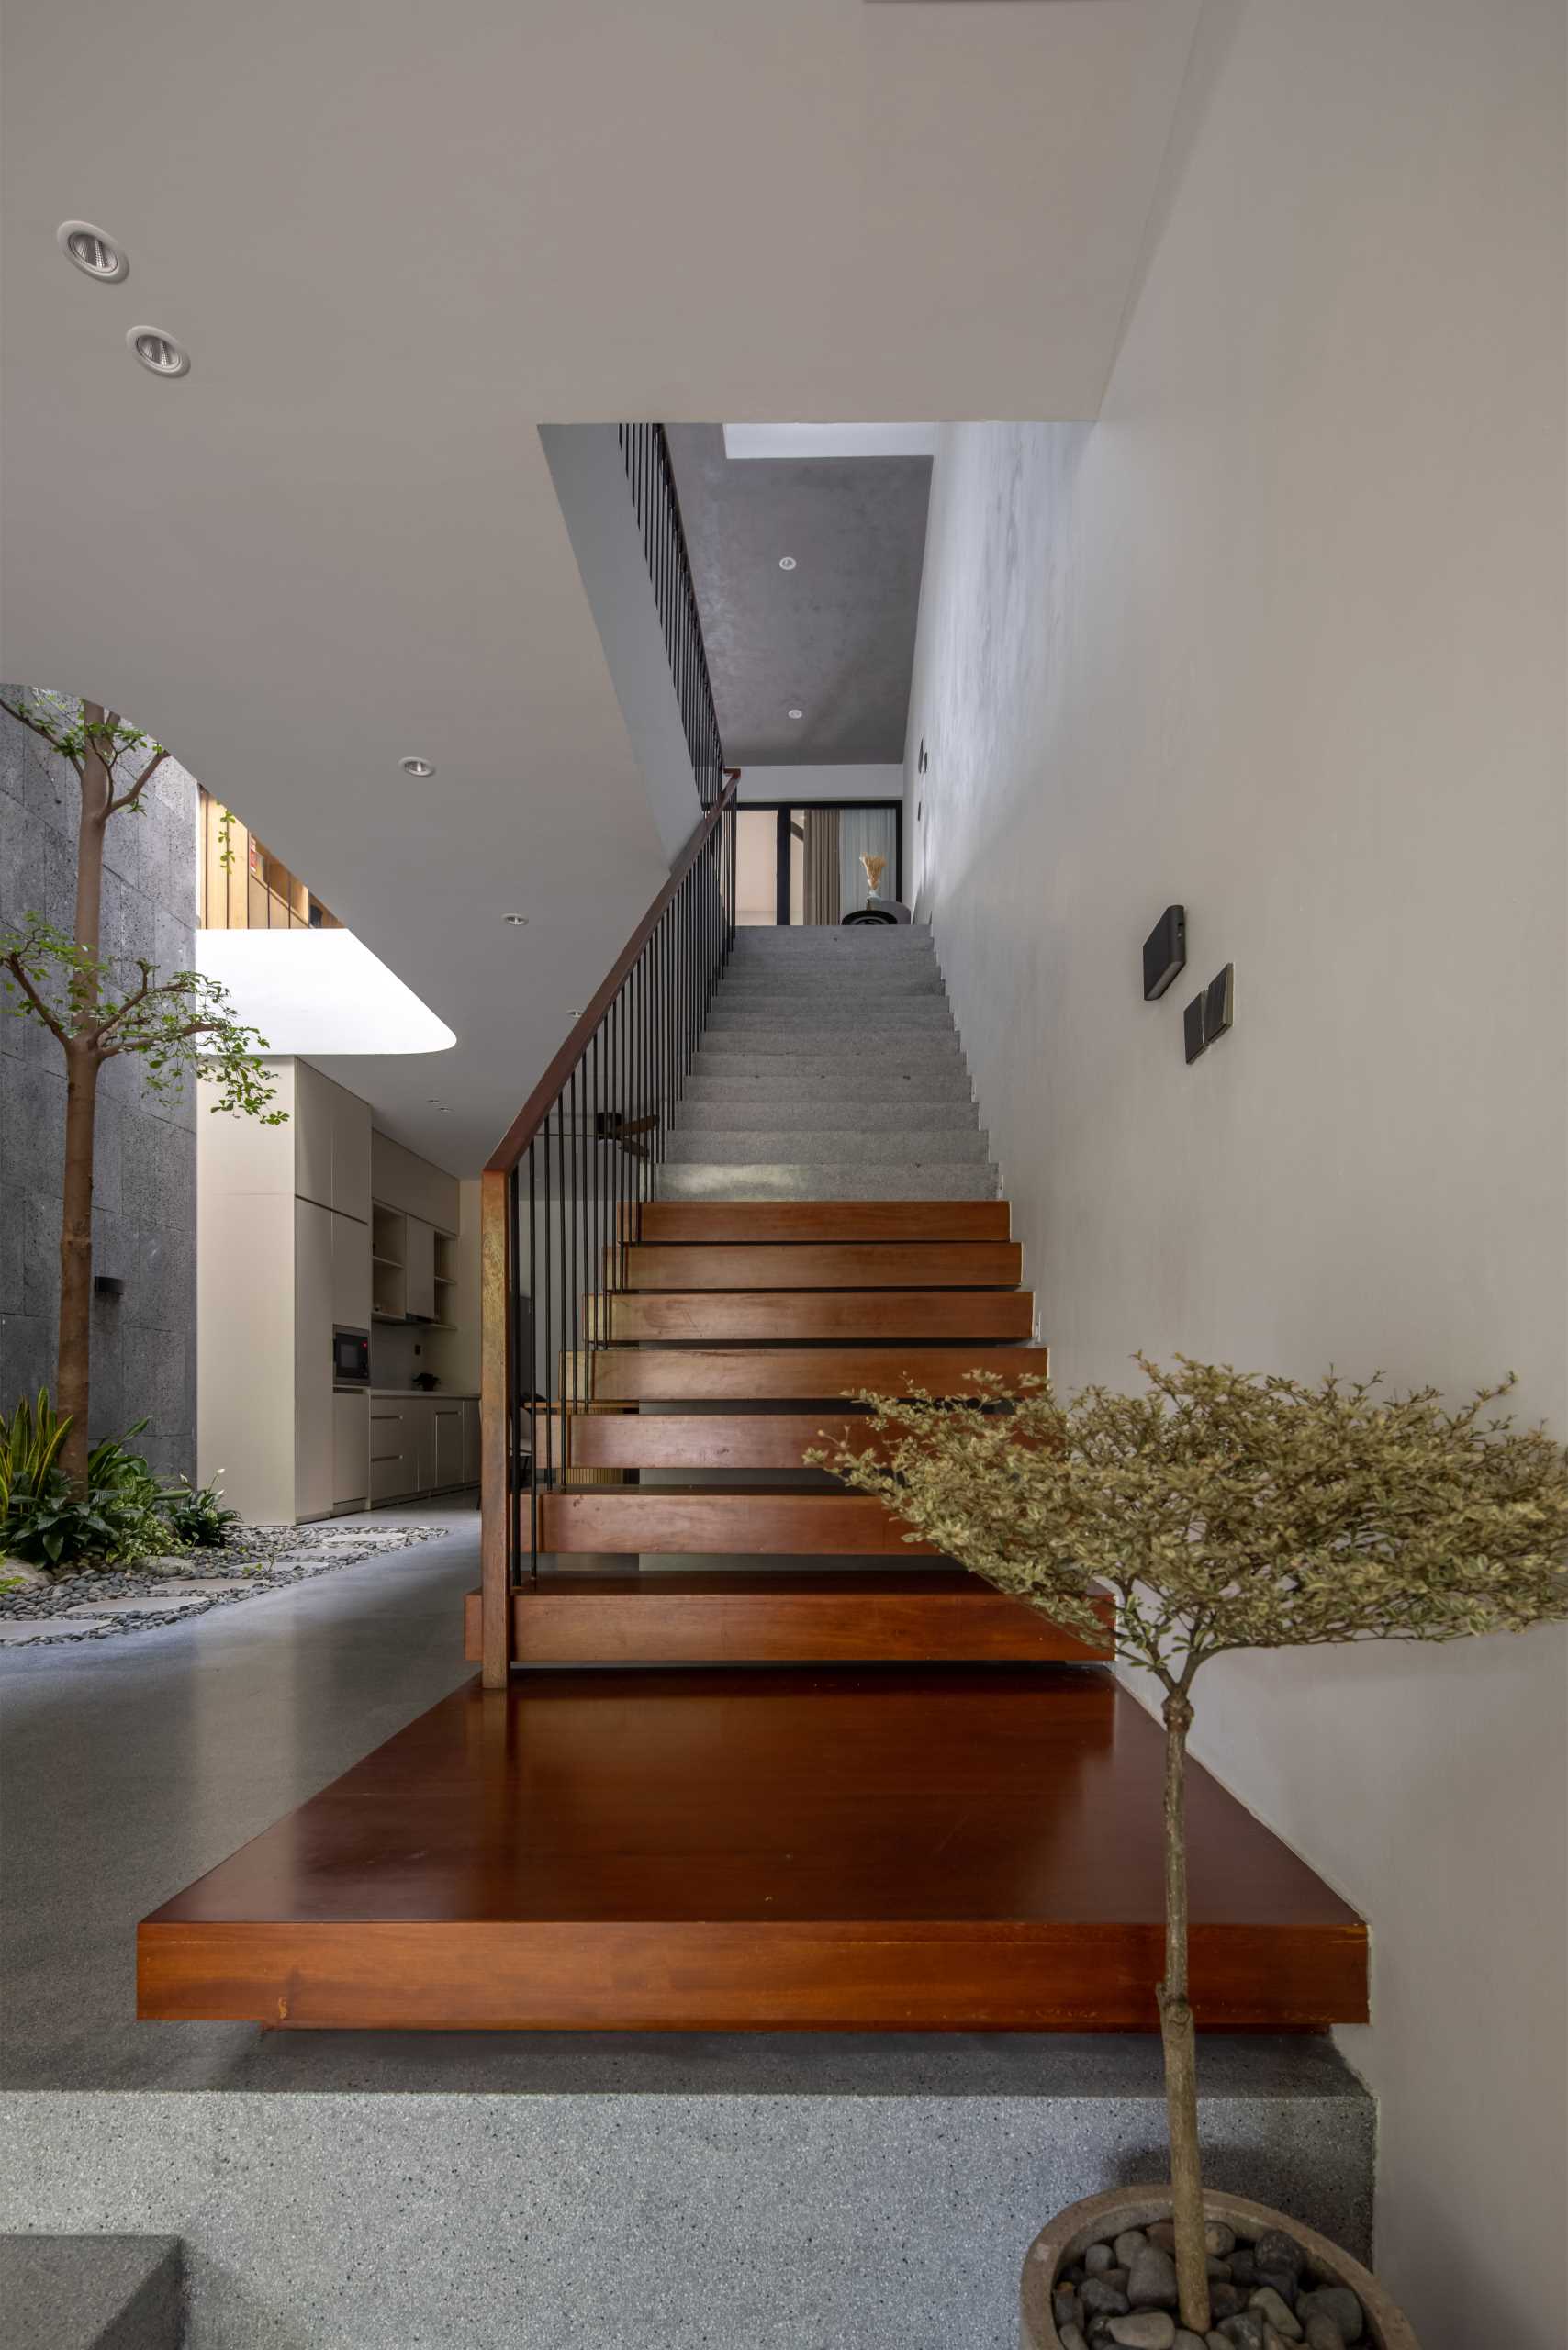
(645, 449)
(561, 1201)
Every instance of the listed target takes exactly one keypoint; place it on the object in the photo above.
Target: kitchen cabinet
(419, 1267)
(421, 1444)
(351, 1273)
(284, 1253)
(312, 1360)
(351, 1154)
(393, 1467)
(448, 1419)
(312, 1122)
(350, 1450)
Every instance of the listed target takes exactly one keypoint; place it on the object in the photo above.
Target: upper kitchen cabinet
(331, 1144)
(313, 1135)
(400, 1178)
(351, 1154)
(419, 1269)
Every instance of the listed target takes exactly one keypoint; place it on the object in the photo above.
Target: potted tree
(1221, 1511)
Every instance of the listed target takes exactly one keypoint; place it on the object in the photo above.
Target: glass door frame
(783, 808)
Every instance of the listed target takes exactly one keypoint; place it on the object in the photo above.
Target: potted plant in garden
(1221, 1511)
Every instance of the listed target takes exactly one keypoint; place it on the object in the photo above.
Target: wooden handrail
(542, 1099)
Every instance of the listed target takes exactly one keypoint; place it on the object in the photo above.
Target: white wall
(1282, 636)
(798, 784)
(589, 474)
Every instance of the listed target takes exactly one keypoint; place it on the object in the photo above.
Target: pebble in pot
(1151, 2279)
(1337, 2306)
(1275, 2312)
(1322, 2334)
(1144, 2330)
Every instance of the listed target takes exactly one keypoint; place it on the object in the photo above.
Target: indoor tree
(98, 1007)
(1218, 1511)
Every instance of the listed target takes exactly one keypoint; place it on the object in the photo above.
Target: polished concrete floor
(128, 1766)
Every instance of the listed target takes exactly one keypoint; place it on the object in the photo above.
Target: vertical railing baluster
(532, 1367)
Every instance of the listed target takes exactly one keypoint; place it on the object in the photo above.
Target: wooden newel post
(495, 1427)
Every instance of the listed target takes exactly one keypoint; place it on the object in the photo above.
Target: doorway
(802, 864)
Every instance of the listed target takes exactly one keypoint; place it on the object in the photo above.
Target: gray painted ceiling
(834, 638)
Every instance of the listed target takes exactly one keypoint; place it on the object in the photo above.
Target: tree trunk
(1177, 2033)
(73, 1360)
(73, 1376)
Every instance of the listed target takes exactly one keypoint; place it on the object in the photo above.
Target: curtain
(865, 831)
(823, 861)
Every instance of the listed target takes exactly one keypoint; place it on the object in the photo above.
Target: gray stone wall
(144, 1197)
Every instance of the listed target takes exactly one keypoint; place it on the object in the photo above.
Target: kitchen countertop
(436, 1394)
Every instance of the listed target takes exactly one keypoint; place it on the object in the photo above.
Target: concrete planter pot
(1101, 2216)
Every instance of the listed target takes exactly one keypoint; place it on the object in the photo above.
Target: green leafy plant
(127, 1496)
(124, 1513)
(98, 1007)
(29, 1448)
(59, 1527)
(1220, 1511)
(199, 1516)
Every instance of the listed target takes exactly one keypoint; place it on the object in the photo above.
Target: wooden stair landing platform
(905, 1848)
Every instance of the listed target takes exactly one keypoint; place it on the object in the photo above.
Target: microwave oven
(350, 1357)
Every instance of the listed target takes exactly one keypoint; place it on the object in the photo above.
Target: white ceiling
(394, 240)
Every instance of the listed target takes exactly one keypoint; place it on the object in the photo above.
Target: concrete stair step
(731, 1077)
(920, 979)
(762, 944)
(914, 1045)
(832, 1011)
(809, 1115)
(826, 1180)
(883, 1148)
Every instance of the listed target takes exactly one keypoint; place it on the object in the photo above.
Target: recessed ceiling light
(158, 351)
(786, 563)
(419, 767)
(94, 255)
(574, 1015)
(519, 921)
(797, 713)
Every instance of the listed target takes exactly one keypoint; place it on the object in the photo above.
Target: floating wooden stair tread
(911, 1616)
(703, 1316)
(833, 1265)
(700, 1373)
(760, 1520)
(905, 1849)
(631, 1440)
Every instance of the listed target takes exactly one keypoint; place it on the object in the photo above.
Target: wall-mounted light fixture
(1164, 952)
(1208, 1015)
